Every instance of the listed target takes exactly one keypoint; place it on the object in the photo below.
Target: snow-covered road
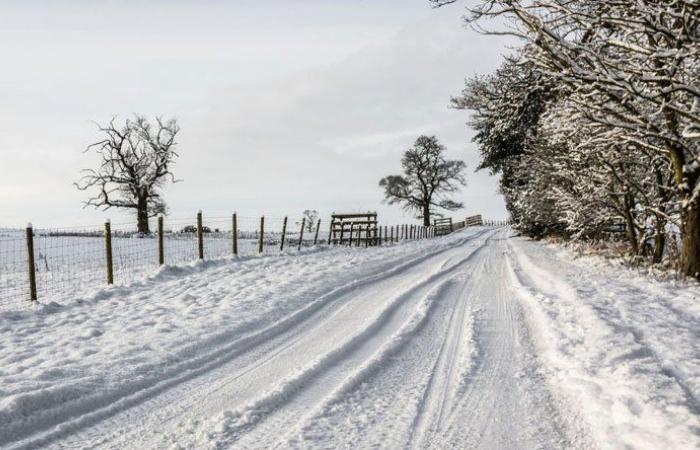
(476, 340)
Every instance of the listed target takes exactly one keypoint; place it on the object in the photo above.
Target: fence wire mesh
(13, 267)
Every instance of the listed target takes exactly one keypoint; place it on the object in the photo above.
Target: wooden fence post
(108, 252)
(200, 234)
(235, 234)
(341, 234)
(161, 247)
(301, 234)
(330, 232)
(262, 233)
(318, 227)
(31, 265)
(367, 234)
(379, 241)
(391, 237)
(284, 232)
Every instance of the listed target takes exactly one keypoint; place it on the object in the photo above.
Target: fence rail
(46, 263)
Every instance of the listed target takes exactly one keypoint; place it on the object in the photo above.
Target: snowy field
(475, 340)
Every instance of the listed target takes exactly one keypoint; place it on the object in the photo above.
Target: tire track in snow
(445, 375)
(232, 351)
(424, 310)
(455, 405)
(272, 411)
(446, 296)
(504, 403)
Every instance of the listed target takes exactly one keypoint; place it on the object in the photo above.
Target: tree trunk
(690, 218)
(142, 216)
(690, 254)
(690, 214)
(659, 239)
(665, 194)
(426, 215)
(631, 230)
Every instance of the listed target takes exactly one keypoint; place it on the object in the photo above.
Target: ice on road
(476, 340)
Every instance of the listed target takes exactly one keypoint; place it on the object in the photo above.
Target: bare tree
(136, 162)
(310, 218)
(426, 180)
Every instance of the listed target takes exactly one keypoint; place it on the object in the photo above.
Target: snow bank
(623, 352)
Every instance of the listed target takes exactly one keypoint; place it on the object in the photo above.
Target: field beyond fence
(67, 261)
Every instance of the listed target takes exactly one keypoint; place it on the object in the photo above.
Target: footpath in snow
(476, 340)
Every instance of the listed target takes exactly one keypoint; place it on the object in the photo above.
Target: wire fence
(68, 261)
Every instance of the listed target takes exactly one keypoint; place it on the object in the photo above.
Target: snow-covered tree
(629, 71)
(506, 109)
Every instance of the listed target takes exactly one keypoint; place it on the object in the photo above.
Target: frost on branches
(595, 121)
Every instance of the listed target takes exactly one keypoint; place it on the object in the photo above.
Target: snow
(474, 340)
(624, 350)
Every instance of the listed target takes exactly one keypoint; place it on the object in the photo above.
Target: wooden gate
(443, 226)
(474, 221)
(353, 229)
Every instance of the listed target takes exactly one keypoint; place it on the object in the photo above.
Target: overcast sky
(284, 105)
